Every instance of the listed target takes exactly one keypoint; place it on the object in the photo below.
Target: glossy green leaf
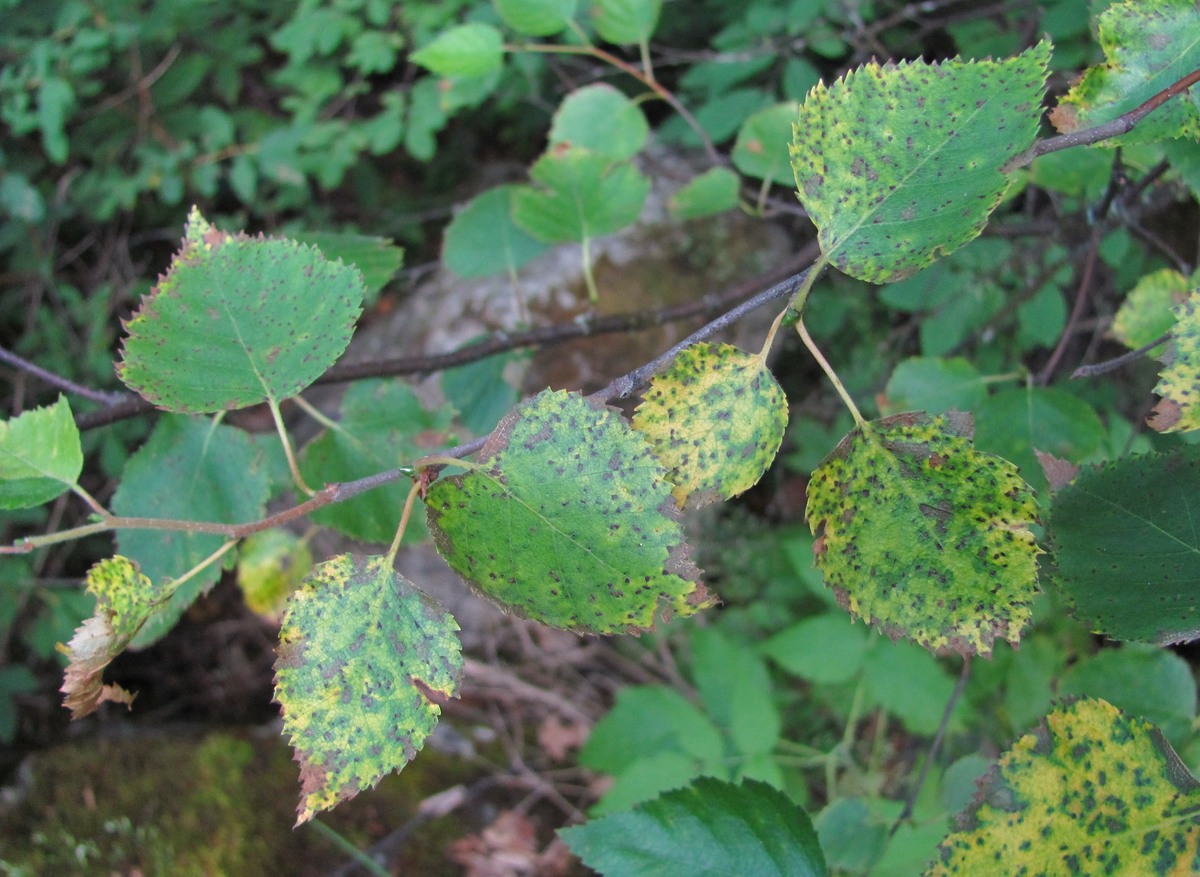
(40, 456)
(569, 521)
(626, 22)
(600, 119)
(925, 537)
(363, 658)
(1148, 45)
(935, 385)
(483, 238)
(383, 425)
(124, 600)
(1179, 382)
(1125, 548)
(824, 649)
(714, 191)
(473, 49)
(710, 829)
(377, 258)
(761, 148)
(189, 469)
(238, 320)
(536, 18)
(1147, 313)
(1091, 791)
(716, 419)
(579, 195)
(869, 150)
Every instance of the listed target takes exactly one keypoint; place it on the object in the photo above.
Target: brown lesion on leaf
(1165, 416)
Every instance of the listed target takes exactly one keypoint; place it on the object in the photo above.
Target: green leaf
(483, 238)
(714, 191)
(40, 456)
(600, 119)
(383, 425)
(911, 684)
(626, 22)
(473, 49)
(237, 320)
(735, 686)
(1091, 791)
(1148, 45)
(825, 649)
(761, 148)
(189, 469)
(271, 564)
(851, 838)
(710, 829)
(1126, 553)
(536, 18)
(580, 195)
(377, 258)
(924, 536)
(124, 600)
(1179, 381)
(869, 150)
(935, 385)
(364, 657)
(1147, 311)
(568, 520)
(480, 392)
(716, 419)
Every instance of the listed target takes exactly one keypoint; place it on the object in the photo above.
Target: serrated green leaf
(1179, 381)
(189, 469)
(362, 653)
(626, 22)
(1147, 313)
(934, 385)
(377, 258)
(924, 536)
(568, 521)
(825, 649)
(869, 150)
(483, 238)
(710, 829)
(536, 18)
(716, 419)
(124, 600)
(473, 49)
(714, 191)
(271, 564)
(237, 320)
(602, 120)
(1091, 791)
(383, 425)
(580, 195)
(1148, 45)
(1126, 553)
(40, 456)
(761, 149)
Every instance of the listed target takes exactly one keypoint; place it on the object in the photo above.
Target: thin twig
(59, 381)
(1103, 368)
(1081, 296)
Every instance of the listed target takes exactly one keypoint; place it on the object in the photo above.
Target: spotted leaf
(1179, 381)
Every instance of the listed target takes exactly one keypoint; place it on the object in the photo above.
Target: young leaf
(536, 18)
(1091, 791)
(364, 657)
(124, 599)
(383, 425)
(714, 191)
(580, 195)
(1147, 313)
(1179, 382)
(626, 22)
(874, 152)
(472, 49)
(40, 456)
(709, 829)
(1148, 45)
(716, 419)
(483, 238)
(761, 148)
(601, 119)
(1126, 552)
(568, 521)
(925, 537)
(189, 469)
(238, 320)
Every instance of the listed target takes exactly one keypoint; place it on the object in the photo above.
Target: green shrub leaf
(826, 649)
(714, 191)
(716, 419)
(237, 320)
(1148, 45)
(935, 385)
(579, 195)
(483, 238)
(925, 537)
(568, 521)
(40, 456)
(600, 119)
(363, 656)
(710, 829)
(1091, 791)
(536, 18)
(377, 258)
(869, 150)
(473, 49)
(761, 148)
(1125, 550)
(626, 22)
(1179, 381)
(1147, 313)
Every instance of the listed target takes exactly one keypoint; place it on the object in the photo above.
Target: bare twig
(1103, 368)
(59, 381)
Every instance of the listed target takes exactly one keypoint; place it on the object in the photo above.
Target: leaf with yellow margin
(1179, 381)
